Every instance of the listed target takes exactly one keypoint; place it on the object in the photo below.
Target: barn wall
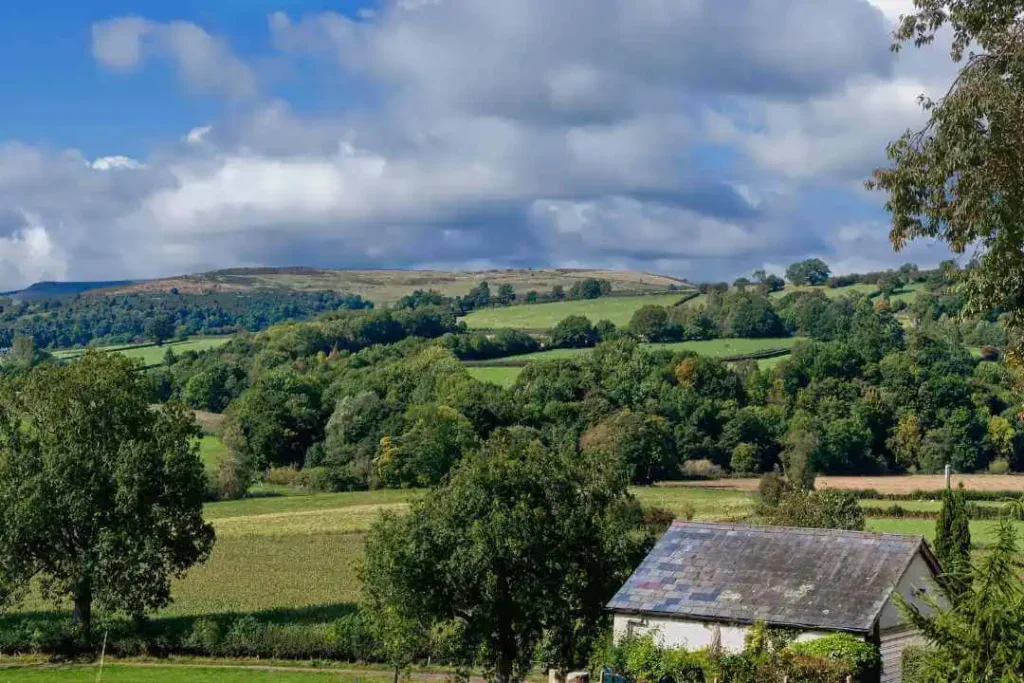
(891, 648)
(688, 634)
(918, 576)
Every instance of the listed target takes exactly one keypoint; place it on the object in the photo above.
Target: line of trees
(158, 316)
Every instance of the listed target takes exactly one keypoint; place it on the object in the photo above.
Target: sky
(697, 138)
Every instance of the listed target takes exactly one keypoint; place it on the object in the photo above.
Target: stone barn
(705, 584)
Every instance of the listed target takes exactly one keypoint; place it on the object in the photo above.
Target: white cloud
(29, 254)
(197, 135)
(110, 163)
(205, 63)
(685, 137)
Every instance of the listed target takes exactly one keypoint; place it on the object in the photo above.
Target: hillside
(385, 286)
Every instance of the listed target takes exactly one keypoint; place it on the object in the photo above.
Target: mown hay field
(542, 316)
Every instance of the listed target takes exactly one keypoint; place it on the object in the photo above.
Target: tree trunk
(82, 614)
(504, 670)
(396, 673)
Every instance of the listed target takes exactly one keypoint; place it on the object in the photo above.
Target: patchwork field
(618, 309)
(150, 354)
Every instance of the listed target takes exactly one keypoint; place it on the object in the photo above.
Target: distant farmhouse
(705, 584)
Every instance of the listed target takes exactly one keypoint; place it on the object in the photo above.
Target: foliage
(955, 179)
(979, 638)
(517, 544)
(767, 659)
(95, 318)
(953, 543)
(100, 495)
(863, 658)
(824, 509)
(812, 271)
(574, 332)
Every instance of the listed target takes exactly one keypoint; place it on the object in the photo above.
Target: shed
(705, 584)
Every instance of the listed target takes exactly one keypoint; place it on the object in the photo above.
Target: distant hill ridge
(378, 285)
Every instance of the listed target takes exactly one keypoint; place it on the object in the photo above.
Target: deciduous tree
(518, 544)
(100, 494)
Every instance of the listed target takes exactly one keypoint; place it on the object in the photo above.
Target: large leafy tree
(812, 271)
(100, 494)
(958, 179)
(518, 545)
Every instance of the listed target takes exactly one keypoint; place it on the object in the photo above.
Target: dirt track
(900, 484)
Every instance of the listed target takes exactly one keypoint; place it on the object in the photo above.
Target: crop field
(150, 354)
(618, 309)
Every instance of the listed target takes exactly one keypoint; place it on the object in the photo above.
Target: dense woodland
(381, 398)
(100, 319)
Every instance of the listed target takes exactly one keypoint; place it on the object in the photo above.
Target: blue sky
(700, 138)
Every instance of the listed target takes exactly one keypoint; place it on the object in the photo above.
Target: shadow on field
(52, 632)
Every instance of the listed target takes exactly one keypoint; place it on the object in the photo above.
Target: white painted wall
(689, 634)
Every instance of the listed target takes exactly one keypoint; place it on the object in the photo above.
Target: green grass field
(211, 449)
(830, 292)
(503, 377)
(618, 309)
(983, 532)
(145, 673)
(150, 354)
(715, 348)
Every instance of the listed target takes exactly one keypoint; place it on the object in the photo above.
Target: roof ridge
(807, 531)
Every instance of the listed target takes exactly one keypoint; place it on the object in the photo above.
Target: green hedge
(900, 512)
(346, 638)
(872, 494)
(830, 659)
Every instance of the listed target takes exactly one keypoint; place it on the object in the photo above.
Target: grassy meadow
(503, 377)
(150, 354)
(293, 557)
(715, 348)
(618, 309)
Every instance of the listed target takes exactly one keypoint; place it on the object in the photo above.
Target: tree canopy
(100, 494)
(520, 545)
(958, 178)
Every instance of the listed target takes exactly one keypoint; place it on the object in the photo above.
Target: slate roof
(811, 578)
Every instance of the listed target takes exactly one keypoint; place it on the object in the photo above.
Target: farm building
(705, 584)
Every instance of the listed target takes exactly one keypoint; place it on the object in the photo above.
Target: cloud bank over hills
(701, 139)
